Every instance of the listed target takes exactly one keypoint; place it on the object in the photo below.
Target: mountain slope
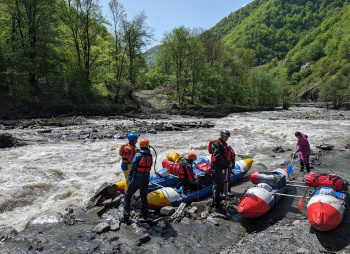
(273, 27)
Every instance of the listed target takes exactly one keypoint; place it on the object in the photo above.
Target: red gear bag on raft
(338, 183)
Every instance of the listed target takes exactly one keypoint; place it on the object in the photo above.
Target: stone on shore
(167, 210)
(303, 251)
(7, 233)
(101, 228)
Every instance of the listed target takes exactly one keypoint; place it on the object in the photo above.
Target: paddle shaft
(287, 195)
(301, 186)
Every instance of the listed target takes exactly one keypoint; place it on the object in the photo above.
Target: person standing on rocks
(304, 151)
(223, 157)
(188, 179)
(127, 151)
(138, 178)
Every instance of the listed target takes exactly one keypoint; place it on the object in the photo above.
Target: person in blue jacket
(138, 178)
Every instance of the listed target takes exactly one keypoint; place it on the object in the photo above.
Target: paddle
(302, 199)
(290, 169)
(226, 183)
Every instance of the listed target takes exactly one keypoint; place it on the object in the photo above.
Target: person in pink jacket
(304, 151)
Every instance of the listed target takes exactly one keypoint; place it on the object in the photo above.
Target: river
(52, 173)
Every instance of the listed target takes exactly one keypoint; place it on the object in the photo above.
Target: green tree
(118, 19)
(336, 90)
(31, 36)
(84, 20)
(137, 34)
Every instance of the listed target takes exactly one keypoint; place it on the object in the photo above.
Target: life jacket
(128, 147)
(145, 164)
(184, 171)
(229, 154)
(171, 166)
(273, 179)
(338, 183)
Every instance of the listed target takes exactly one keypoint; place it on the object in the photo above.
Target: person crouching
(188, 179)
(138, 178)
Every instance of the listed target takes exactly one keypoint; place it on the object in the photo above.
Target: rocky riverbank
(88, 130)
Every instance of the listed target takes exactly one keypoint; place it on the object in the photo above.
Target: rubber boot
(307, 165)
(126, 220)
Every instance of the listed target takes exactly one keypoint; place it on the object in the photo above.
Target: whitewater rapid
(47, 176)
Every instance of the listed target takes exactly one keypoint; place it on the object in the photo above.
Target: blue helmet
(133, 136)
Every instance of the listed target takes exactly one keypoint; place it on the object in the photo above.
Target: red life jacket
(183, 171)
(145, 164)
(338, 183)
(130, 149)
(171, 166)
(229, 154)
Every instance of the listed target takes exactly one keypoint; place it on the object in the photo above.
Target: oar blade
(301, 203)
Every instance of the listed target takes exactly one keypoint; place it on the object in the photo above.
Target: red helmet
(192, 156)
(144, 142)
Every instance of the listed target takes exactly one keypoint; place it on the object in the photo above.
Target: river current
(50, 174)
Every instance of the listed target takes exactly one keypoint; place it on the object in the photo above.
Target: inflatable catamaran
(262, 197)
(327, 204)
(325, 208)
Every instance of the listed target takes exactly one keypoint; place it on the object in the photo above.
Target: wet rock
(158, 230)
(113, 238)
(101, 228)
(347, 146)
(185, 221)
(213, 221)
(200, 205)
(303, 251)
(278, 149)
(167, 210)
(117, 201)
(44, 131)
(295, 222)
(192, 210)
(7, 233)
(142, 233)
(107, 202)
(152, 131)
(94, 248)
(325, 146)
(49, 218)
(218, 216)
(115, 225)
(162, 224)
(145, 225)
(36, 245)
(143, 239)
(7, 140)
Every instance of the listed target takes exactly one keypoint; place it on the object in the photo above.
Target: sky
(165, 15)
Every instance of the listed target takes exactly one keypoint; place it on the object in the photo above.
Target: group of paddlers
(137, 163)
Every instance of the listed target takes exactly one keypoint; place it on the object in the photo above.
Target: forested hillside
(268, 53)
(272, 28)
(312, 34)
(62, 52)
